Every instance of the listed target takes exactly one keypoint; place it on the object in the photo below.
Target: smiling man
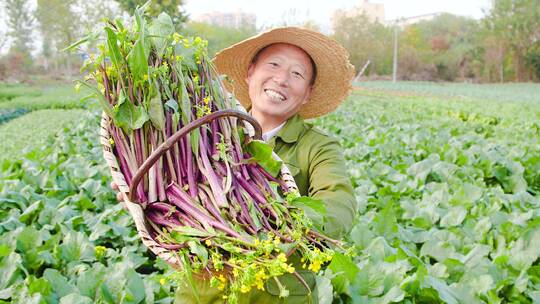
(282, 77)
(280, 81)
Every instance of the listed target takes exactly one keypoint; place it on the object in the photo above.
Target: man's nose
(281, 77)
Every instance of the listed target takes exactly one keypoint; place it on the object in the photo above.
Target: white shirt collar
(268, 135)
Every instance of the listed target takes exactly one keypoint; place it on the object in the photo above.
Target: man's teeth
(275, 95)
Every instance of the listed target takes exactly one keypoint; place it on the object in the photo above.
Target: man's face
(279, 81)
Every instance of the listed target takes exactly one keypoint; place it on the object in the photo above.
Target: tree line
(503, 46)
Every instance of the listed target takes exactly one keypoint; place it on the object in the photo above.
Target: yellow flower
(315, 266)
(100, 251)
(177, 37)
(244, 289)
(111, 141)
(208, 242)
(222, 278)
(145, 77)
(162, 281)
(282, 257)
(206, 100)
(290, 269)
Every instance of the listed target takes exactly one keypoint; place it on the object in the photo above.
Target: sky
(273, 11)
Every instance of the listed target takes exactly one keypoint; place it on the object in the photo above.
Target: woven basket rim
(136, 210)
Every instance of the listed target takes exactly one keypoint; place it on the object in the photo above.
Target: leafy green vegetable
(262, 154)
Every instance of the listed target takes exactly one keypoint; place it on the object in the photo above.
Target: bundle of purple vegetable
(210, 194)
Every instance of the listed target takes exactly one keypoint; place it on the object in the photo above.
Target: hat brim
(334, 72)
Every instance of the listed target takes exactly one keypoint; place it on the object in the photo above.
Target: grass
(10, 91)
(31, 130)
(56, 97)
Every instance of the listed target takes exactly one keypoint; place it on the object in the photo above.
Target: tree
(517, 23)
(447, 43)
(364, 40)
(533, 58)
(56, 19)
(171, 7)
(20, 23)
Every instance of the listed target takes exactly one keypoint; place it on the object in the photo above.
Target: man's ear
(308, 95)
(249, 72)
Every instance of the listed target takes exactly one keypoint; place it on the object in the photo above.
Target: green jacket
(316, 162)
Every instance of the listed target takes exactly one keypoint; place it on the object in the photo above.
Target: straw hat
(334, 72)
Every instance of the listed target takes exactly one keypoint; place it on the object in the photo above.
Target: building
(236, 19)
(412, 20)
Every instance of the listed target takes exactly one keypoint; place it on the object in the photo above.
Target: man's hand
(119, 195)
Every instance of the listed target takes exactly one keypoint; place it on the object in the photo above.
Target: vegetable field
(447, 186)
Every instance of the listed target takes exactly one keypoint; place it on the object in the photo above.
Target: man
(283, 76)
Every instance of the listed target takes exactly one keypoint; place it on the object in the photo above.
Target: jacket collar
(292, 130)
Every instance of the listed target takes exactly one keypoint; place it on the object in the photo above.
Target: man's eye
(298, 74)
(274, 64)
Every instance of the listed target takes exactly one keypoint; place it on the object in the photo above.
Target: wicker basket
(135, 209)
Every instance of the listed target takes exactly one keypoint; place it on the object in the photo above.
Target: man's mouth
(275, 95)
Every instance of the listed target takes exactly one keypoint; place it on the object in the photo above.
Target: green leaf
(31, 212)
(394, 295)
(386, 221)
(454, 217)
(59, 283)
(199, 250)
(28, 239)
(130, 117)
(9, 271)
(75, 298)
(114, 51)
(361, 235)
(172, 104)
(186, 230)
(102, 100)
(313, 208)
(261, 153)
(324, 290)
(344, 269)
(370, 280)
(155, 110)
(39, 285)
(138, 61)
(161, 28)
(89, 281)
(75, 247)
(88, 38)
(135, 287)
(446, 293)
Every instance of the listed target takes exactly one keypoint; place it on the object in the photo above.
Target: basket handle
(166, 145)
